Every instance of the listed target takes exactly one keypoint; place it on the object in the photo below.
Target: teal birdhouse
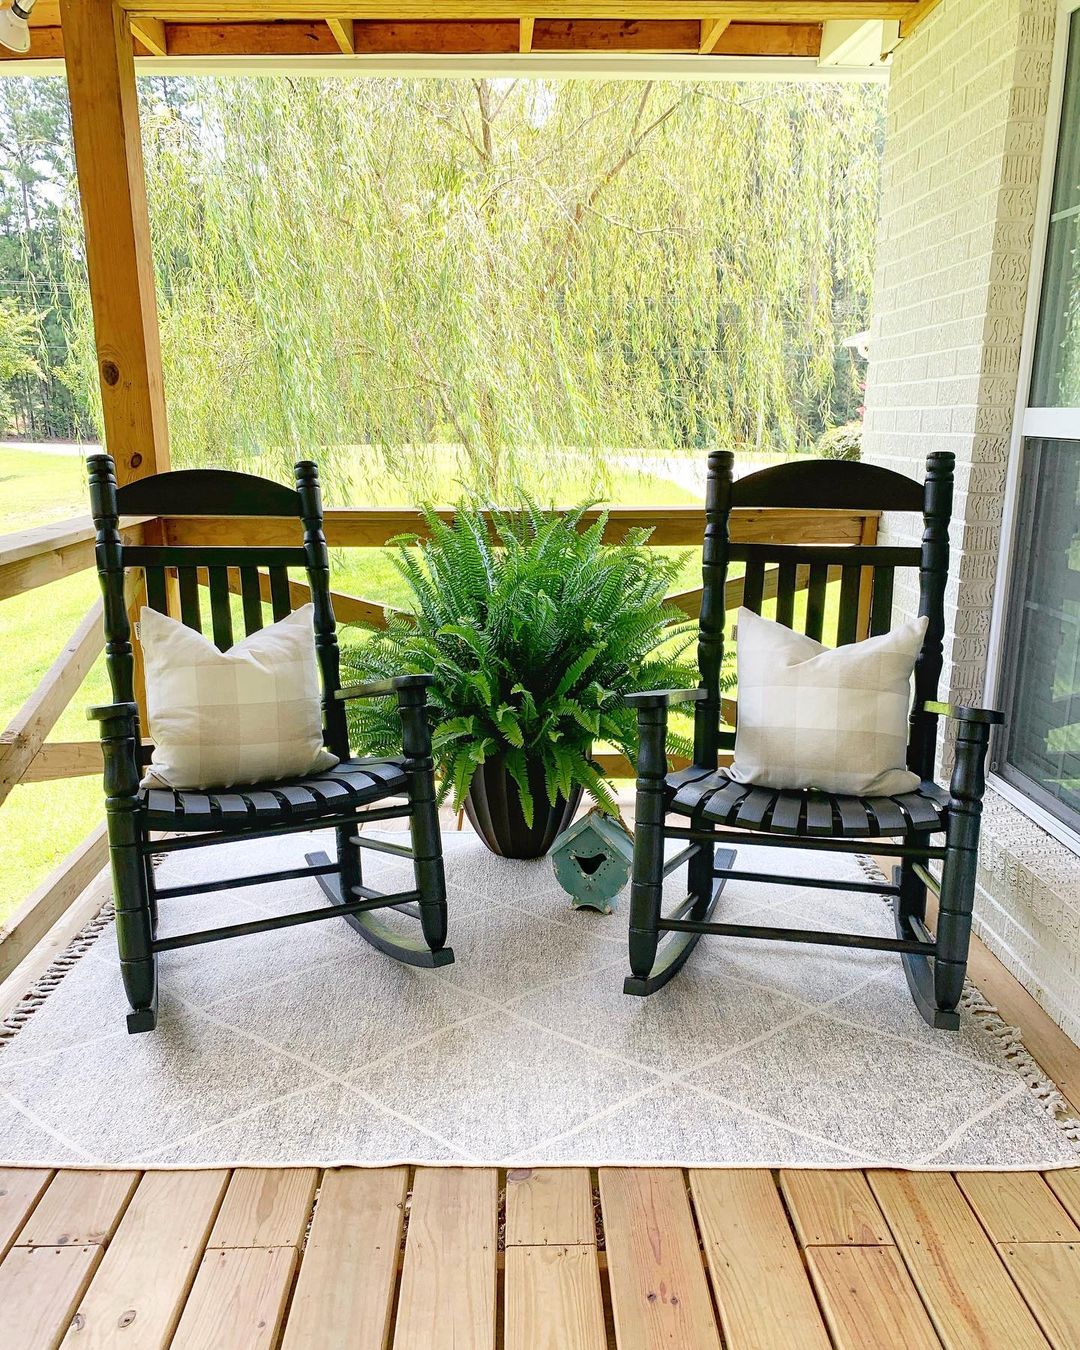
(592, 860)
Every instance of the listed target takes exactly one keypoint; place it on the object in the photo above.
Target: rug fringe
(1009, 1038)
(46, 983)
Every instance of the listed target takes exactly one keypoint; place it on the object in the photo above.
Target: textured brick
(967, 108)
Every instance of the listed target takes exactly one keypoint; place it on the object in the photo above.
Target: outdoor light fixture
(14, 34)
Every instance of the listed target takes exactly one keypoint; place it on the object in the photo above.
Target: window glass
(1056, 376)
(1043, 736)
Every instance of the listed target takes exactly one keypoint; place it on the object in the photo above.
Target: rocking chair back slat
(882, 601)
(251, 598)
(157, 589)
(815, 601)
(847, 629)
(754, 586)
(190, 610)
(785, 594)
(220, 608)
(280, 599)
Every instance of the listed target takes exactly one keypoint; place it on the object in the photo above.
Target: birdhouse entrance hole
(589, 863)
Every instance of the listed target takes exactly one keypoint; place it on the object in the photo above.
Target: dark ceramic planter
(493, 806)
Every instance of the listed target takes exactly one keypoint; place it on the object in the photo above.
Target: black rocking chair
(704, 808)
(341, 798)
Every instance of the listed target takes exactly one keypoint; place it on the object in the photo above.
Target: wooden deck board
(972, 1302)
(238, 1299)
(79, 1209)
(448, 1280)
(1066, 1186)
(143, 1281)
(40, 1288)
(868, 1299)
(265, 1207)
(20, 1190)
(1048, 1276)
(659, 1293)
(833, 1209)
(345, 1290)
(1017, 1207)
(914, 1261)
(757, 1273)
(553, 1299)
(549, 1205)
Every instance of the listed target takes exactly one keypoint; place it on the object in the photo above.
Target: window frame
(1029, 423)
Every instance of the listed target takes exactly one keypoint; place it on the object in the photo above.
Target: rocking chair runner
(710, 809)
(334, 798)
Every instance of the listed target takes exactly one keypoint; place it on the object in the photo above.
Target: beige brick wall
(967, 108)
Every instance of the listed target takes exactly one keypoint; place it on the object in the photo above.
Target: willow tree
(519, 269)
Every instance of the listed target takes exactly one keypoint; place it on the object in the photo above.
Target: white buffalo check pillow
(829, 718)
(248, 715)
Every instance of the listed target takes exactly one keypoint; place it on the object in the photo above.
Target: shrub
(534, 631)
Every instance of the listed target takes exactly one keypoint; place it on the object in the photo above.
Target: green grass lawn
(42, 822)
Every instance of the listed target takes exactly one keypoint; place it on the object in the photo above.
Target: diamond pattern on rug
(675, 1126)
(326, 1125)
(126, 1094)
(820, 1075)
(345, 991)
(523, 1084)
(307, 1046)
(688, 1022)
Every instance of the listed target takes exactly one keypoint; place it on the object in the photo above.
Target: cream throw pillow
(248, 715)
(829, 718)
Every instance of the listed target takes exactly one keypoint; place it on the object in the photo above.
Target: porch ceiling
(842, 35)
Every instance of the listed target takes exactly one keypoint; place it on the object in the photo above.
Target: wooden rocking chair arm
(960, 713)
(664, 698)
(383, 688)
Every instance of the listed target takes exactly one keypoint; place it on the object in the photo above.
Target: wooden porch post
(108, 155)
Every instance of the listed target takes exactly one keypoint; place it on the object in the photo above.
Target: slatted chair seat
(716, 799)
(351, 783)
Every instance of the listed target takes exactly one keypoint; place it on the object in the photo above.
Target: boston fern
(534, 631)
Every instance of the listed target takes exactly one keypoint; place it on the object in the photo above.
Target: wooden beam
(99, 58)
(31, 558)
(525, 34)
(64, 759)
(46, 44)
(405, 11)
(342, 30)
(916, 14)
(151, 33)
(769, 39)
(370, 37)
(27, 730)
(275, 38)
(615, 35)
(29, 923)
(433, 38)
(712, 30)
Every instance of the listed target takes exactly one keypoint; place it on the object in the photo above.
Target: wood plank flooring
(539, 1259)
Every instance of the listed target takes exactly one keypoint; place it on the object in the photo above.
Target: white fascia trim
(565, 66)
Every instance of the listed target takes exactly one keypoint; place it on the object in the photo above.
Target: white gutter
(549, 65)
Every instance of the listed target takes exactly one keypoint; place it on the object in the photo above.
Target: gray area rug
(307, 1046)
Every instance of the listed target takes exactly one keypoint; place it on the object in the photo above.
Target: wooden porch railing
(34, 558)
